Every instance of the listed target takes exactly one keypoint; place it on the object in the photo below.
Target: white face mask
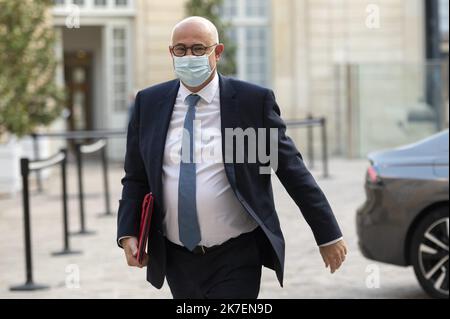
(193, 70)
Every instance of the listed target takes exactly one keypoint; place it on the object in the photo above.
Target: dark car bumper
(380, 230)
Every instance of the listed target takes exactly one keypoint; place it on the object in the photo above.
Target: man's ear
(219, 50)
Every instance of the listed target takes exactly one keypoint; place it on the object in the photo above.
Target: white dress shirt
(220, 215)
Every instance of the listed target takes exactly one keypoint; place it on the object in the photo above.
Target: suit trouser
(230, 271)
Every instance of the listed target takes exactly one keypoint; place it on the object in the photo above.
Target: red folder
(144, 228)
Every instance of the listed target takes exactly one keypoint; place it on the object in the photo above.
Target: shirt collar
(207, 93)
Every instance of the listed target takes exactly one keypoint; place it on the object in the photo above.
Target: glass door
(77, 71)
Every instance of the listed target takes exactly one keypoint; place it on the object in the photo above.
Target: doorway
(78, 79)
(84, 78)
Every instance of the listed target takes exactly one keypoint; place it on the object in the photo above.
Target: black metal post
(66, 249)
(79, 160)
(104, 158)
(29, 284)
(310, 143)
(37, 157)
(434, 56)
(324, 147)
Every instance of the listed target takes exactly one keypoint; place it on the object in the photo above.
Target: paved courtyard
(103, 272)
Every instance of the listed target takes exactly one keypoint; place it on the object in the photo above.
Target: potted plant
(29, 97)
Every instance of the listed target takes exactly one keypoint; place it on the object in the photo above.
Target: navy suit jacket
(243, 105)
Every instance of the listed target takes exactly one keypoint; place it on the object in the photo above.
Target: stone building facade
(360, 63)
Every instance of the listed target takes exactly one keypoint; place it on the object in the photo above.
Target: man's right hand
(130, 247)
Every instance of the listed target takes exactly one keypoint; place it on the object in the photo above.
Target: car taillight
(372, 175)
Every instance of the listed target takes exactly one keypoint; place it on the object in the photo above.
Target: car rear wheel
(429, 253)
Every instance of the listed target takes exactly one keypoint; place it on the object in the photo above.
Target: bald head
(195, 31)
(197, 28)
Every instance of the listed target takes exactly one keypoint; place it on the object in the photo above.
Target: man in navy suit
(195, 143)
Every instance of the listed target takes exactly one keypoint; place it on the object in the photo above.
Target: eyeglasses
(181, 50)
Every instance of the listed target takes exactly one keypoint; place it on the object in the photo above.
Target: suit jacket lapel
(163, 115)
(229, 120)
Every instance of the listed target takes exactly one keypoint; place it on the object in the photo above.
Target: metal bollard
(104, 158)
(66, 248)
(29, 283)
(323, 126)
(310, 143)
(37, 156)
(78, 155)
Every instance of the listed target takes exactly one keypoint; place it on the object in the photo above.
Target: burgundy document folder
(144, 228)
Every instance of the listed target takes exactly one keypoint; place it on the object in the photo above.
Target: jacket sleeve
(298, 181)
(135, 184)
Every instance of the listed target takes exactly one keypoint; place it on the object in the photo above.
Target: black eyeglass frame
(201, 46)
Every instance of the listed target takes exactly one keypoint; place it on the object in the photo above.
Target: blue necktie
(188, 227)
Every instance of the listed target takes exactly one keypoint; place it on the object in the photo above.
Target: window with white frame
(100, 3)
(95, 5)
(119, 59)
(256, 8)
(443, 19)
(250, 30)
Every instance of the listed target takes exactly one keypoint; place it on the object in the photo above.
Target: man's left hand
(334, 255)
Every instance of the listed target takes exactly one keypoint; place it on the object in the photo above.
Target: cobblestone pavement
(103, 272)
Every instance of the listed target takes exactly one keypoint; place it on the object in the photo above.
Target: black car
(405, 219)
